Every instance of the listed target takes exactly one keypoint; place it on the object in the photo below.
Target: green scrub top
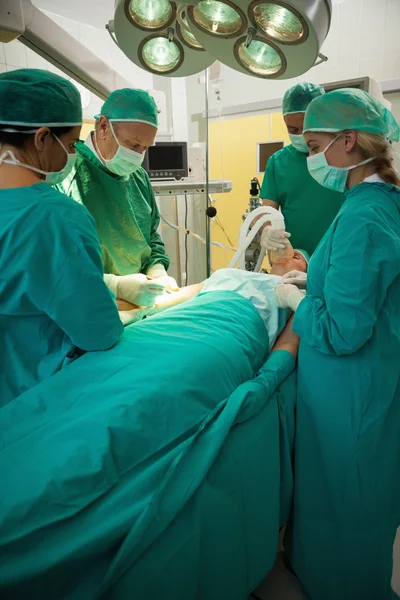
(347, 483)
(53, 300)
(125, 213)
(308, 208)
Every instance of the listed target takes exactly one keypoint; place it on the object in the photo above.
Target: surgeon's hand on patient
(288, 296)
(137, 289)
(297, 278)
(160, 274)
(274, 239)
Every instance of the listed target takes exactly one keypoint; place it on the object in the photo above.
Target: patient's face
(297, 263)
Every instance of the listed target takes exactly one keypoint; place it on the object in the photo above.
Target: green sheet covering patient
(258, 288)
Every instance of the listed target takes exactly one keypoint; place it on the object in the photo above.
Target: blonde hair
(376, 145)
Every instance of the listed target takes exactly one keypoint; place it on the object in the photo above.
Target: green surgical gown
(308, 208)
(347, 450)
(53, 300)
(125, 212)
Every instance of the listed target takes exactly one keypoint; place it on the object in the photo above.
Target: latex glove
(297, 278)
(132, 316)
(288, 296)
(274, 239)
(137, 289)
(158, 272)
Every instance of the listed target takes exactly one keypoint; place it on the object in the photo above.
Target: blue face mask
(333, 178)
(299, 143)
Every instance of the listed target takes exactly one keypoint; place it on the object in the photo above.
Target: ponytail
(385, 169)
(372, 145)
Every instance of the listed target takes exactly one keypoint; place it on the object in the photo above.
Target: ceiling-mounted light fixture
(151, 14)
(277, 39)
(221, 19)
(156, 36)
(278, 22)
(184, 32)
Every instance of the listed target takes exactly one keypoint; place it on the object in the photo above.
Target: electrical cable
(195, 235)
(218, 222)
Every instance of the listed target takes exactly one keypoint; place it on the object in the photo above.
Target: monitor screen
(165, 157)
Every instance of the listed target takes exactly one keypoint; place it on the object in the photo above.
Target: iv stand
(208, 230)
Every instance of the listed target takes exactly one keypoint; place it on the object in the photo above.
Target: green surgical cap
(305, 255)
(297, 99)
(351, 109)
(135, 106)
(37, 98)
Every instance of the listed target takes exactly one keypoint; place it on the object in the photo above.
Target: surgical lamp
(270, 40)
(156, 36)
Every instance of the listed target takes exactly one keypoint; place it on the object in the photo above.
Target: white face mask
(52, 177)
(333, 178)
(124, 161)
(299, 142)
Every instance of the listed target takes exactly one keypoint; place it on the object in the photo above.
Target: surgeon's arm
(363, 264)
(158, 254)
(70, 287)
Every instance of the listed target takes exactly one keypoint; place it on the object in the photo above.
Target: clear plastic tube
(246, 235)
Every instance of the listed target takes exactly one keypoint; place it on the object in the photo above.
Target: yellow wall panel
(279, 131)
(233, 156)
(87, 127)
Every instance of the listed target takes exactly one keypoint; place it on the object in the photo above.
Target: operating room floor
(281, 584)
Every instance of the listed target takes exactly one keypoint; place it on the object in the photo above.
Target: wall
(233, 148)
(363, 40)
(15, 55)
(233, 156)
(180, 210)
(394, 99)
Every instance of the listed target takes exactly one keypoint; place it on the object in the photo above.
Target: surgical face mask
(333, 178)
(124, 161)
(51, 177)
(298, 142)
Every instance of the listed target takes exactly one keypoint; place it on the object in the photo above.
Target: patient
(258, 288)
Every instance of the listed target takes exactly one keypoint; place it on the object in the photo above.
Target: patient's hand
(288, 340)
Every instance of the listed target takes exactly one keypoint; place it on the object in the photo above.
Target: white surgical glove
(274, 239)
(288, 296)
(158, 272)
(132, 316)
(136, 289)
(297, 278)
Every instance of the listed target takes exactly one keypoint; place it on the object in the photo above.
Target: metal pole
(208, 224)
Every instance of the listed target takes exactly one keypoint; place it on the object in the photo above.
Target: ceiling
(91, 12)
